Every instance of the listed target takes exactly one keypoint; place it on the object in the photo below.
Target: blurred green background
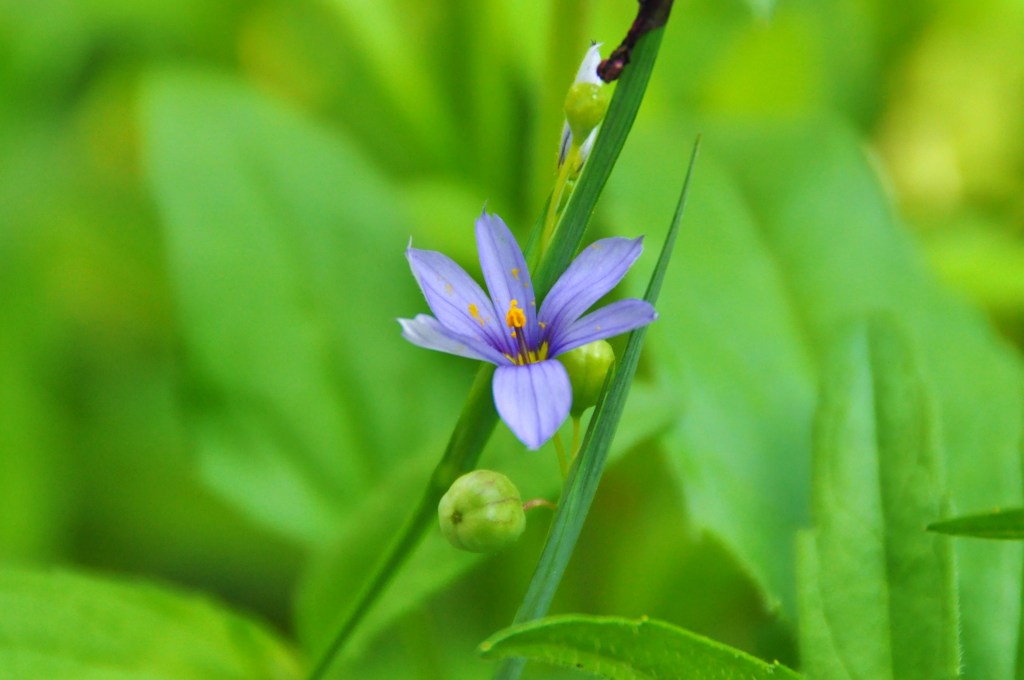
(203, 208)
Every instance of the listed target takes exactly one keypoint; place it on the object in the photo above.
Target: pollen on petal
(515, 273)
(475, 313)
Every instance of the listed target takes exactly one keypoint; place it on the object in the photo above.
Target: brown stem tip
(651, 15)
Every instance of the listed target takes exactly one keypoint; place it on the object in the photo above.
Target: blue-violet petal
(427, 332)
(504, 269)
(533, 399)
(593, 273)
(457, 301)
(608, 321)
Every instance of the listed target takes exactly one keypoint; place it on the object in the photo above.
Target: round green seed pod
(585, 106)
(482, 512)
(587, 367)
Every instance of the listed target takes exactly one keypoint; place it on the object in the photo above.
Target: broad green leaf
(842, 255)
(63, 626)
(281, 244)
(622, 649)
(1001, 524)
(797, 238)
(879, 597)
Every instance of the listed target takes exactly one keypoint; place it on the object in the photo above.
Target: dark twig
(651, 15)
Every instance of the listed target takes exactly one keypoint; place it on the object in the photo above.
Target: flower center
(516, 320)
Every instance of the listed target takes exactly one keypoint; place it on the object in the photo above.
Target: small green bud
(587, 367)
(482, 512)
(585, 106)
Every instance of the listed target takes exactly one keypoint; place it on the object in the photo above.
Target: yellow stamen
(515, 317)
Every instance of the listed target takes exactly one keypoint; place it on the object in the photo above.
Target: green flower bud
(585, 106)
(587, 367)
(482, 512)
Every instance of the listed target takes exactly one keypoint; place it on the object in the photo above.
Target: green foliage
(877, 591)
(203, 206)
(58, 626)
(620, 649)
(1001, 524)
(276, 290)
(800, 240)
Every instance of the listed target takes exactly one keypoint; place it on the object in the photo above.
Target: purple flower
(531, 390)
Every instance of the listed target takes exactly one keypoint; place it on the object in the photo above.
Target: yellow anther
(515, 317)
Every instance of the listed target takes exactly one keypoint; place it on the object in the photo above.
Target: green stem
(556, 205)
(471, 433)
(575, 436)
(563, 460)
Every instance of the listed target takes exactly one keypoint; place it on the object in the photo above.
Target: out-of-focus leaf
(622, 649)
(282, 244)
(728, 345)
(882, 587)
(795, 239)
(1002, 524)
(63, 626)
(27, 494)
(985, 260)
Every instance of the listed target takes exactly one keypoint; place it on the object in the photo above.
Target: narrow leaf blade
(999, 524)
(580, 487)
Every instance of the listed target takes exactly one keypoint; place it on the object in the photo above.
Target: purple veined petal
(457, 301)
(533, 399)
(504, 269)
(611, 320)
(593, 273)
(427, 332)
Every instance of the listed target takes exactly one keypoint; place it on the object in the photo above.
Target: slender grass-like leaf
(623, 649)
(585, 474)
(478, 415)
(1000, 524)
